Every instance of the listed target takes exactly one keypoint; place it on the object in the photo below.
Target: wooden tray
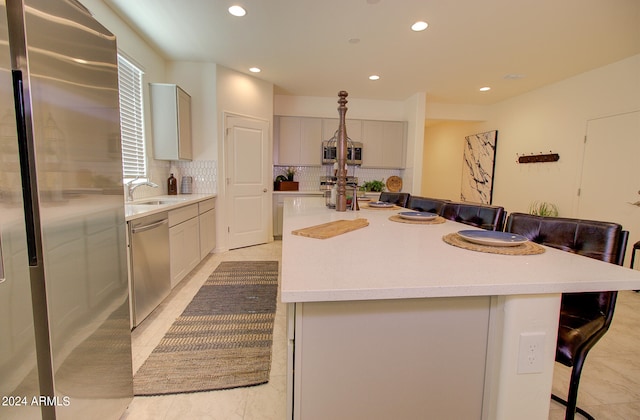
(331, 229)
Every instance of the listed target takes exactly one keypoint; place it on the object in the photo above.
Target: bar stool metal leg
(636, 246)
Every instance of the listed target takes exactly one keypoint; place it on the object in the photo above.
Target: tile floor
(610, 387)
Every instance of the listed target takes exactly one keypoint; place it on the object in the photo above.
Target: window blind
(131, 119)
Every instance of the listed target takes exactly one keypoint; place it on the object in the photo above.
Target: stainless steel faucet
(131, 187)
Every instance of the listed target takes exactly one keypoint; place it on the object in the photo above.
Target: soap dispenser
(172, 185)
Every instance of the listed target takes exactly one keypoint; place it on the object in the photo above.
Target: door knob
(264, 190)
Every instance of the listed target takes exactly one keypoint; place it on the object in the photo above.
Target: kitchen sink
(156, 202)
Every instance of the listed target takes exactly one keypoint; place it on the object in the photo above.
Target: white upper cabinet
(383, 144)
(299, 141)
(171, 122)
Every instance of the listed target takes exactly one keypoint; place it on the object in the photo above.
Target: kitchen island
(389, 321)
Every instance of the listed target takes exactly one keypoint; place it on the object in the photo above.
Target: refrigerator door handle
(23, 152)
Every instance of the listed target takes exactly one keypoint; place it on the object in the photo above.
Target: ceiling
(319, 47)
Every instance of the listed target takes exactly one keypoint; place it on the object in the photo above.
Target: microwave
(330, 155)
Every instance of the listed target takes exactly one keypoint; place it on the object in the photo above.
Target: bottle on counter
(172, 185)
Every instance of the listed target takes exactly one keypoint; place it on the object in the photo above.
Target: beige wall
(552, 118)
(442, 158)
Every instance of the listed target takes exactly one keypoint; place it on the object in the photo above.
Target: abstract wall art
(478, 167)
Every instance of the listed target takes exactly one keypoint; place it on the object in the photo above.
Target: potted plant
(285, 182)
(375, 186)
(542, 208)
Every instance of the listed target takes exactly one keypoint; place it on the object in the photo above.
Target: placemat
(367, 206)
(528, 248)
(397, 218)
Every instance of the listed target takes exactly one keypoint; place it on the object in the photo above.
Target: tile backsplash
(204, 173)
(309, 176)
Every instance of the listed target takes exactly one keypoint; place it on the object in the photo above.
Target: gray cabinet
(171, 122)
(383, 144)
(207, 219)
(298, 141)
(184, 241)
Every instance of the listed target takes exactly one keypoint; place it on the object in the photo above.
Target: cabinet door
(278, 208)
(177, 258)
(372, 139)
(192, 245)
(310, 141)
(393, 144)
(384, 144)
(299, 141)
(289, 140)
(207, 233)
(184, 125)
(184, 242)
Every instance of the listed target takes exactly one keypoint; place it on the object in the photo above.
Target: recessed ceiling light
(419, 26)
(484, 89)
(374, 77)
(513, 76)
(237, 11)
(354, 40)
(255, 70)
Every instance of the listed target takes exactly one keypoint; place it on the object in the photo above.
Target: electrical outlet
(531, 352)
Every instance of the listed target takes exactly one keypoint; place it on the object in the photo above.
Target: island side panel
(511, 391)
(391, 358)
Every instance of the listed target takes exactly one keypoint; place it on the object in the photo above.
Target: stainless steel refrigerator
(65, 340)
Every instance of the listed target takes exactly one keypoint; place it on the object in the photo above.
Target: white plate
(381, 204)
(488, 237)
(417, 215)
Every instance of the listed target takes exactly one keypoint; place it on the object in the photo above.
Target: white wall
(552, 118)
(247, 96)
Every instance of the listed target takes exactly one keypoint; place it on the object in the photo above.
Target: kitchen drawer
(206, 205)
(182, 214)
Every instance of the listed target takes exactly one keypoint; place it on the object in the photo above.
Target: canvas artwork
(478, 167)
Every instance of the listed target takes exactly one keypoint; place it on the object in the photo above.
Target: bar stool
(636, 246)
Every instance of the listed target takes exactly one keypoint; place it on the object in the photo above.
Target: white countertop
(306, 192)
(135, 209)
(390, 260)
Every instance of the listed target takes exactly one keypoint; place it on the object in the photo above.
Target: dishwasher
(149, 258)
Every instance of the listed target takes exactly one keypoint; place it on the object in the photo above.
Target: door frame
(223, 198)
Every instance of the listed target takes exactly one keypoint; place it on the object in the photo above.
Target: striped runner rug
(223, 338)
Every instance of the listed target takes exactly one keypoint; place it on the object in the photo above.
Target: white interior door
(248, 178)
(610, 184)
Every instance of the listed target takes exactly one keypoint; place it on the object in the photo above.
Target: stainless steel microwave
(354, 154)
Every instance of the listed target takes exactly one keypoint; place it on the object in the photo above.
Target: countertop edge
(134, 211)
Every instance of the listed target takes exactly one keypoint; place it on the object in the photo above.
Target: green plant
(377, 186)
(542, 208)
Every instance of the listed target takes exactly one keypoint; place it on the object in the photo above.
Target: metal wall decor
(478, 167)
(542, 157)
